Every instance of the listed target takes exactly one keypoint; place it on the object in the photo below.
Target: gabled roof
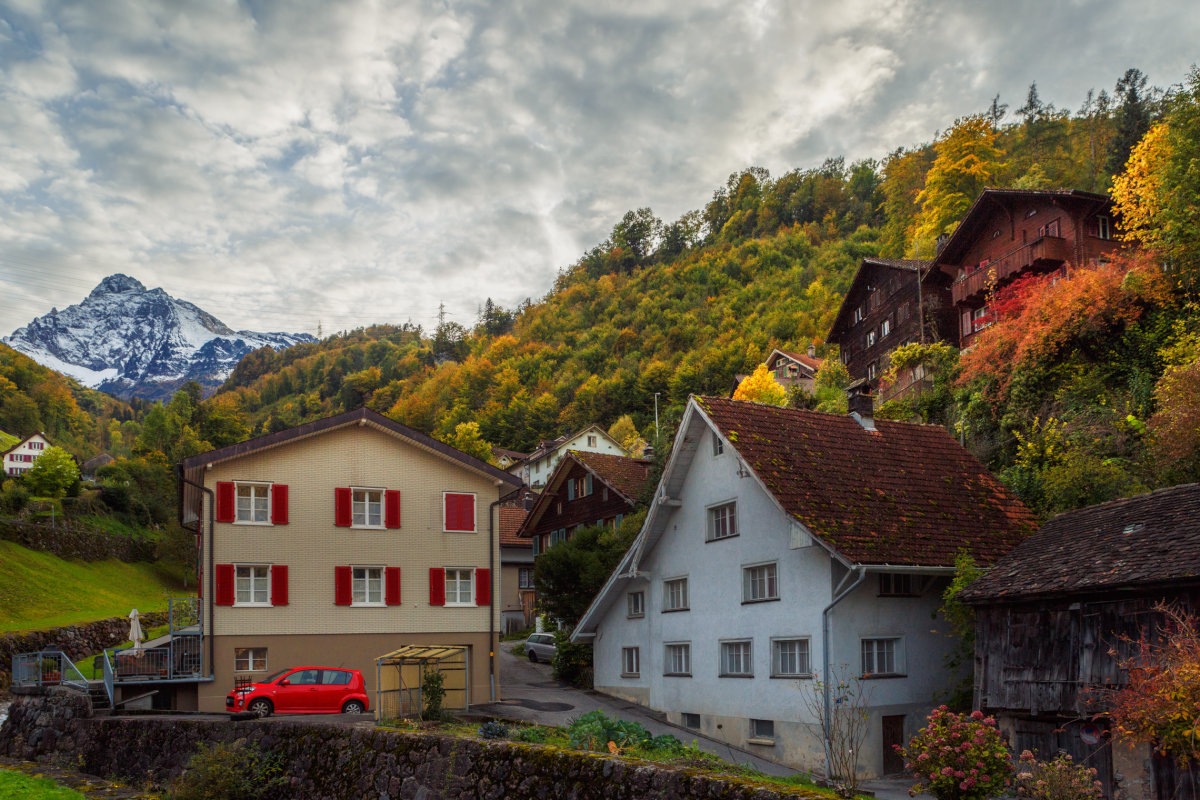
(511, 518)
(812, 363)
(547, 446)
(1144, 541)
(625, 476)
(916, 267)
(23, 441)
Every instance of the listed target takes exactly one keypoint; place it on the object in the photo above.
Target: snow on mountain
(129, 341)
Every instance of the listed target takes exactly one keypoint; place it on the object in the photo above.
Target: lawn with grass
(116, 527)
(19, 786)
(8, 441)
(39, 590)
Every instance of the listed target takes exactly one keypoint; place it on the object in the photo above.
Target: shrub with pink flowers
(1060, 779)
(958, 757)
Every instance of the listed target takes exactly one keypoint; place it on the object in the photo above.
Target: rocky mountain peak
(116, 284)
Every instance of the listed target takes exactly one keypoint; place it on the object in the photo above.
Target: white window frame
(635, 604)
(718, 445)
(668, 594)
(736, 658)
(254, 486)
(885, 328)
(777, 643)
(631, 662)
(251, 603)
(251, 654)
(355, 502)
(718, 516)
(367, 582)
(874, 643)
(521, 582)
(751, 579)
(870, 338)
(470, 572)
(592, 440)
(1103, 227)
(682, 649)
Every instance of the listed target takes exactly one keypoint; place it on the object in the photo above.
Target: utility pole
(656, 420)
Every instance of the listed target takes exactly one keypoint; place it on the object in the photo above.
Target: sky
(295, 166)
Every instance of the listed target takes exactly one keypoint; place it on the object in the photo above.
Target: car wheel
(533, 657)
(260, 708)
(353, 707)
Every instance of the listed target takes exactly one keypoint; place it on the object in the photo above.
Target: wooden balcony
(1049, 251)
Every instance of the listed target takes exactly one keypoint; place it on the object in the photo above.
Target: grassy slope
(18, 785)
(7, 440)
(39, 590)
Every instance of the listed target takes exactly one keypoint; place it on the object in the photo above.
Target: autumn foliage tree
(761, 387)
(967, 161)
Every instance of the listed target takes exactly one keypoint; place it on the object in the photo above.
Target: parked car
(540, 647)
(302, 690)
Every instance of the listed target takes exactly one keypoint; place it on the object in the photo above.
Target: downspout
(492, 597)
(212, 653)
(862, 574)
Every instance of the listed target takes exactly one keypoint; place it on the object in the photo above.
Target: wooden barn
(1051, 614)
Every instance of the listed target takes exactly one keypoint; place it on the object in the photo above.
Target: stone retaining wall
(332, 761)
(77, 641)
(76, 542)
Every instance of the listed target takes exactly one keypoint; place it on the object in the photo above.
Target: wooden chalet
(1050, 614)
(790, 369)
(1008, 233)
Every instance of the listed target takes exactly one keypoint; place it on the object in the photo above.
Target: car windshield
(272, 678)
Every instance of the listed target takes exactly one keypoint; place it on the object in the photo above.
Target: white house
(537, 467)
(20, 457)
(782, 543)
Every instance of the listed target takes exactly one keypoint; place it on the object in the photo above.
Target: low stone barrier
(332, 761)
(76, 542)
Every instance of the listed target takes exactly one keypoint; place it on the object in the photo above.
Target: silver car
(540, 647)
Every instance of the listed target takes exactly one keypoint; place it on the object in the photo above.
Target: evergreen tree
(1133, 118)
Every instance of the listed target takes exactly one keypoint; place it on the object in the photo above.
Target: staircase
(99, 697)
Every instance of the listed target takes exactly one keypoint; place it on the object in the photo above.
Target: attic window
(1031, 213)
(1135, 527)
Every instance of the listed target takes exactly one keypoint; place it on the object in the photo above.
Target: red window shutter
(392, 586)
(341, 586)
(483, 587)
(279, 585)
(437, 586)
(391, 509)
(223, 594)
(226, 501)
(341, 507)
(460, 512)
(279, 504)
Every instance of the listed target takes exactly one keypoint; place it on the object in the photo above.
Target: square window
(691, 720)
(760, 583)
(762, 729)
(678, 659)
(367, 508)
(637, 604)
(675, 594)
(459, 512)
(252, 585)
(631, 662)
(881, 657)
(460, 587)
(736, 659)
(722, 521)
(366, 586)
(789, 658)
(250, 659)
(252, 506)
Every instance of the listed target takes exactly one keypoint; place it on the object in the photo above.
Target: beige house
(341, 540)
(19, 458)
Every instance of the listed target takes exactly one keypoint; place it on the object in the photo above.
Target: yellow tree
(761, 387)
(1138, 191)
(967, 161)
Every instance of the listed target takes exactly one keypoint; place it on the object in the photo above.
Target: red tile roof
(811, 362)
(511, 518)
(626, 475)
(904, 494)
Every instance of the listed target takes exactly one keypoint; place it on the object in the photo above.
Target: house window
(591, 441)
(525, 578)
(691, 720)
(250, 659)
(631, 662)
(678, 659)
(1031, 213)
(762, 729)
(760, 583)
(870, 338)
(722, 521)
(252, 585)
(858, 315)
(460, 587)
(789, 658)
(459, 512)
(885, 328)
(366, 586)
(872, 371)
(718, 445)
(1052, 228)
(881, 657)
(675, 595)
(736, 659)
(252, 503)
(367, 508)
(898, 585)
(636, 602)
(1103, 228)
(980, 318)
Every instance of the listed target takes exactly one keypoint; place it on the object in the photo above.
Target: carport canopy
(400, 677)
(419, 654)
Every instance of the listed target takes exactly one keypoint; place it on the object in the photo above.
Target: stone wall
(333, 761)
(77, 641)
(71, 540)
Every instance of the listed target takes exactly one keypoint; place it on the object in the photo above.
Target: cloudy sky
(285, 164)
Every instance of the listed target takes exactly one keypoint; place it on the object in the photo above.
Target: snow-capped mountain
(129, 341)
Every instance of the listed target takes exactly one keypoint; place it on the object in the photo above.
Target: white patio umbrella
(135, 630)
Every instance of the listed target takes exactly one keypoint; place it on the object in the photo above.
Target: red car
(302, 690)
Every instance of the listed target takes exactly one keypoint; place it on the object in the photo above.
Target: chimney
(941, 241)
(812, 350)
(648, 452)
(861, 403)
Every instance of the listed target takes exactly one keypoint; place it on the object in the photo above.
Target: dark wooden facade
(1013, 232)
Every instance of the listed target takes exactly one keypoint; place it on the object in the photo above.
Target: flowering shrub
(958, 757)
(1060, 779)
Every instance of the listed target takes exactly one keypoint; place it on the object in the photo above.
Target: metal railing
(179, 658)
(47, 668)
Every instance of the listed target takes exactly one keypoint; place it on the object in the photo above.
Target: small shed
(399, 677)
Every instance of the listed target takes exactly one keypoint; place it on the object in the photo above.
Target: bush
(572, 662)
(1060, 779)
(532, 735)
(958, 757)
(493, 730)
(236, 771)
(433, 689)
(594, 730)
(13, 498)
